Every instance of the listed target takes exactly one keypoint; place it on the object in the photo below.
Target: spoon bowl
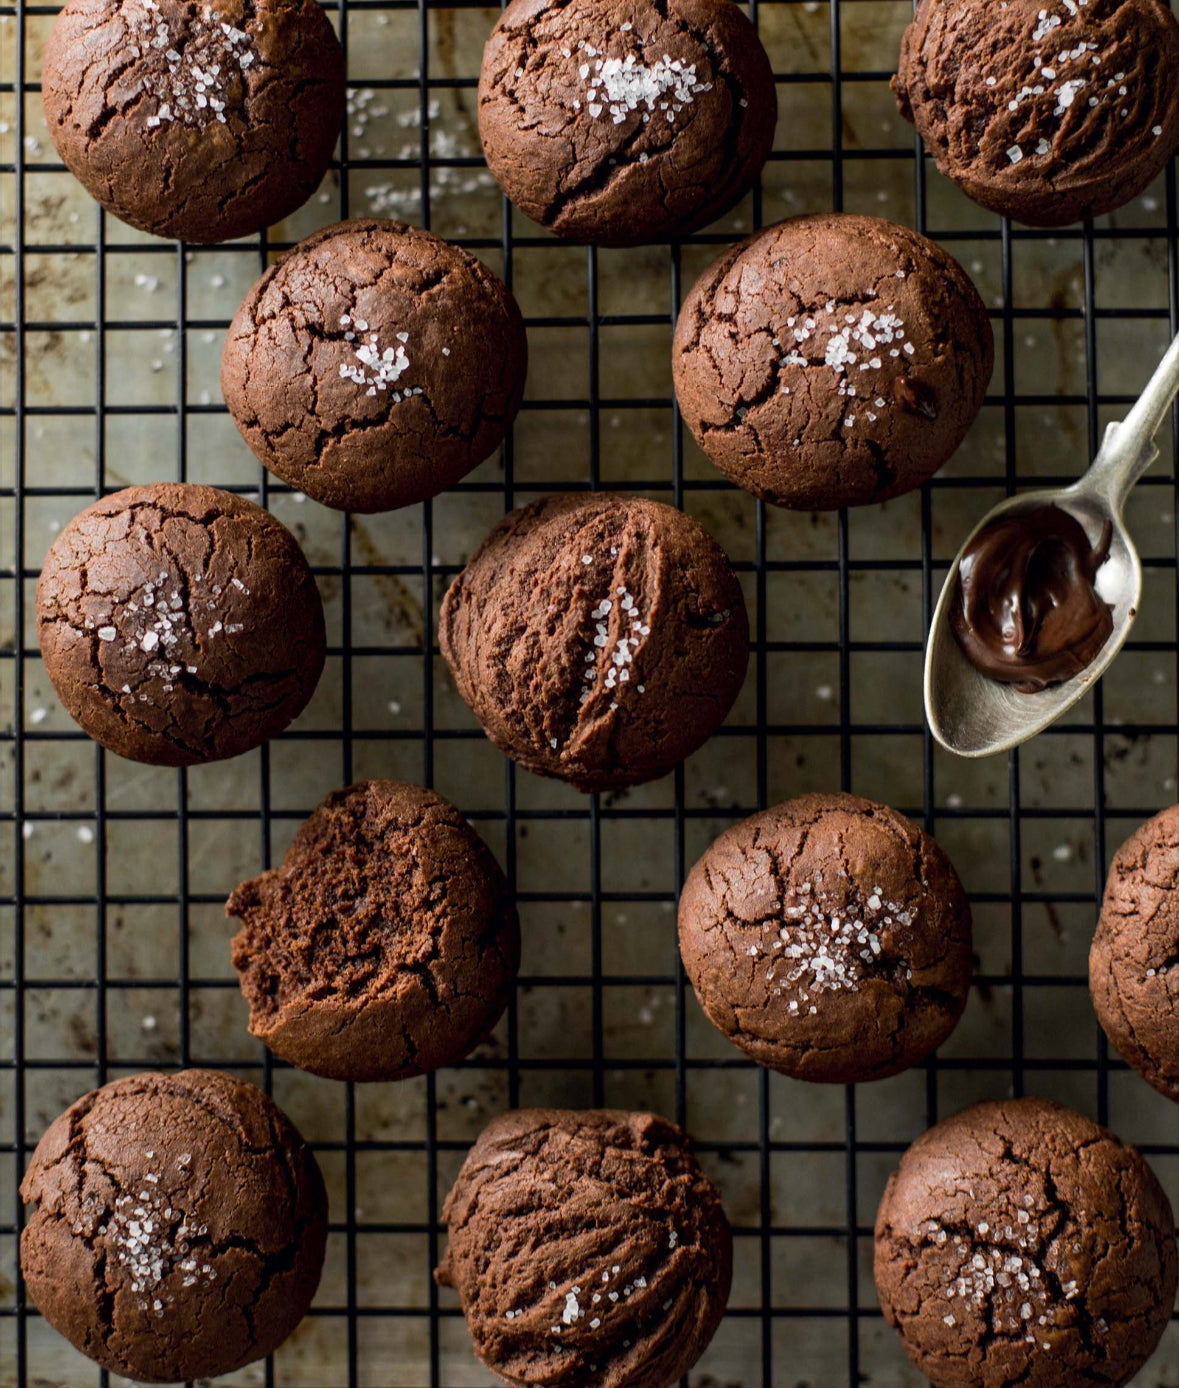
(975, 716)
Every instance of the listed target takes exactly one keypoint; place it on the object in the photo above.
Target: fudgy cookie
(386, 944)
(623, 122)
(189, 119)
(832, 360)
(1047, 111)
(828, 938)
(374, 365)
(178, 1226)
(1134, 960)
(587, 1248)
(1020, 1243)
(179, 624)
(598, 638)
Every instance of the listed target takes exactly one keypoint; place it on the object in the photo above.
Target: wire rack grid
(113, 951)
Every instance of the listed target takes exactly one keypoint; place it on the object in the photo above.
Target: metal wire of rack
(803, 1309)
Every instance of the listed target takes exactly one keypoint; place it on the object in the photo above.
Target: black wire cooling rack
(840, 605)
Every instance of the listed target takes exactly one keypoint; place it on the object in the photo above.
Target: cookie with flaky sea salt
(598, 638)
(1020, 1243)
(177, 1226)
(1047, 111)
(587, 1248)
(1134, 960)
(374, 365)
(195, 120)
(828, 938)
(832, 360)
(179, 624)
(625, 122)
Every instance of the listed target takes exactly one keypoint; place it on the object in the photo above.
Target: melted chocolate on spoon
(1026, 611)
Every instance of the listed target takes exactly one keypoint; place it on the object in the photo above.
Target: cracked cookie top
(1048, 111)
(1019, 1242)
(205, 121)
(385, 945)
(600, 639)
(832, 360)
(828, 938)
(625, 122)
(179, 624)
(374, 365)
(1134, 960)
(178, 1226)
(587, 1247)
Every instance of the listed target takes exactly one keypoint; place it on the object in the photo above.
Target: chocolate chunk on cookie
(374, 365)
(385, 945)
(625, 122)
(188, 119)
(178, 1226)
(179, 624)
(828, 938)
(1047, 111)
(1020, 1243)
(598, 638)
(587, 1248)
(832, 360)
(1134, 961)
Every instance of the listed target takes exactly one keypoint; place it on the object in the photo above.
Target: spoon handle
(1128, 448)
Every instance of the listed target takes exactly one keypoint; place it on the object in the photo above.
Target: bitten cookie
(1021, 1243)
(587, 1248)
(179, 624)
(374, 365)
(1047, 111)
(832, 360)
(1133, 972)
(178, 1226)
(195, 120)
(600, 639)
(828, 938)
(386, 944)
(624, 122)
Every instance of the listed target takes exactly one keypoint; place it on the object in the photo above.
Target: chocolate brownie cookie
(832, 360)
(623, 122)
(178, 1226)
(587, 1248)
(1134, 961)
(828, 938)
(374, 365)
(179, 624)
(189, 119)
(386, 944)
(1021, 1243)
(1047, 111)
(600, 639)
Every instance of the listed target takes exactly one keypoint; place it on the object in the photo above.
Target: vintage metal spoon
(974, 715)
